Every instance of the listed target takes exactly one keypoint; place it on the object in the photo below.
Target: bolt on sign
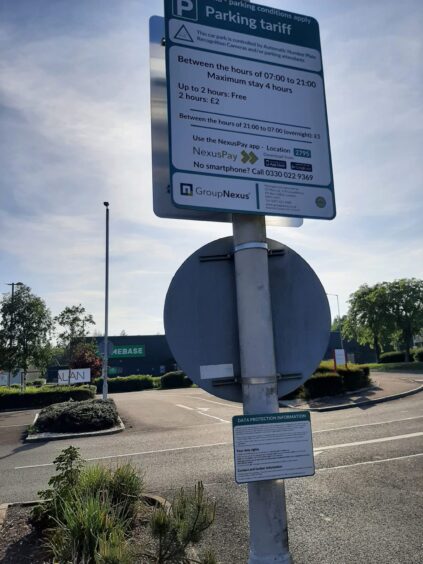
(248, 130)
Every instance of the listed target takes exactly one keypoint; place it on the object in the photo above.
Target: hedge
(176, 379)
(126, 384)
(355, 379)
(77, 417)
(331, 383)
(418, 355)
(394, 356)
(11, 398)
(324, 384)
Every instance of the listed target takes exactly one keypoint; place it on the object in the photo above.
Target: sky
(75, 132)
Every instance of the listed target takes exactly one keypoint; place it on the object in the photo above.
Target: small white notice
(74, 376)
(339, 356)
(272, 446)
(215, 371)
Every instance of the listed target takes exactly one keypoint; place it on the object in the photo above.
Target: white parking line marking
(220, 403)
(317, 450)
(370, 462)
(368, 424)
(131, 454)
(370, 441)
(200, 412)
(7, 426)
(213, 417)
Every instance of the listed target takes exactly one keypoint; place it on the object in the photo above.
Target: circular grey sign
(200, 318)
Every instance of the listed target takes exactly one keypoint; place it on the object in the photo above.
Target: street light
(339, 317)
(12, 312)
(106, 309)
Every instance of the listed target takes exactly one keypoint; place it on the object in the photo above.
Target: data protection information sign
(273, 446)
(248, 129)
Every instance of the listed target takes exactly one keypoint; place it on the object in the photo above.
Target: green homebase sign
(122, 351)
(248, 129)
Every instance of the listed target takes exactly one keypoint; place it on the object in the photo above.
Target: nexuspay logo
(186, 9)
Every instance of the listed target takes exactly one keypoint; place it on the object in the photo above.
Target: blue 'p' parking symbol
(186, 9)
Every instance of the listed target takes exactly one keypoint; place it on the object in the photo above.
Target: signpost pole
(267, 509)
(106, 309)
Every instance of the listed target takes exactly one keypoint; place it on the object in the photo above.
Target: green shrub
(176, 527)
(68, 468)
(89, 511)
(83, 522)
(354, 379)
(38, 382)
(418, 355)
(324, 384)
(395, 356)
(325, 366)
(46, 395)
(77, 417)
(119, 384)
(125, 488)
(176, 379)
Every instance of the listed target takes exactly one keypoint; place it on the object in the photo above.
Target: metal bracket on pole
(252, 245)
(243, 247)
(256, 380)
(260, 380)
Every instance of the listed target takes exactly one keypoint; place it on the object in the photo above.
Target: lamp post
(106, 309)
(339, 317)
(12, 320)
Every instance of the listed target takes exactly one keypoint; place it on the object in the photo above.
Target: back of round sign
(201, 326)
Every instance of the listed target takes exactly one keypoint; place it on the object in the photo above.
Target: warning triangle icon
(183, 34)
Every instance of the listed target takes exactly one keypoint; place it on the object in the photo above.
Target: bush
(88, 513)
(77, 417)
(176, 379)
(123, 487)
(325, 366)
(83, 522)
(126, 384)
(418, 355)
(395, 356)
(40, 397)
(176, 527)
(324, 384)
(354, 379)
(38, 382)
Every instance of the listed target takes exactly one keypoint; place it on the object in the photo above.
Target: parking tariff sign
(248, 128)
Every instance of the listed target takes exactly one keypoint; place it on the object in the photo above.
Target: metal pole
(339, 317)
(9, 377)
(267, 508)
(106, 310)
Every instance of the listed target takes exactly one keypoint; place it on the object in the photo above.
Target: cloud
(76, 131)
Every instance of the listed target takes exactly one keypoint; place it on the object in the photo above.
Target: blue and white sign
(247, 115)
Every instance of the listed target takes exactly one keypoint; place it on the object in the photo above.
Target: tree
(26, 326)
(405, 307)
(85, 356)
(369, 320)
(74, 322)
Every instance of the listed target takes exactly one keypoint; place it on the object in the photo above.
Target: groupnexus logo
(186, 9)
(228, 194)
(186, 189)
